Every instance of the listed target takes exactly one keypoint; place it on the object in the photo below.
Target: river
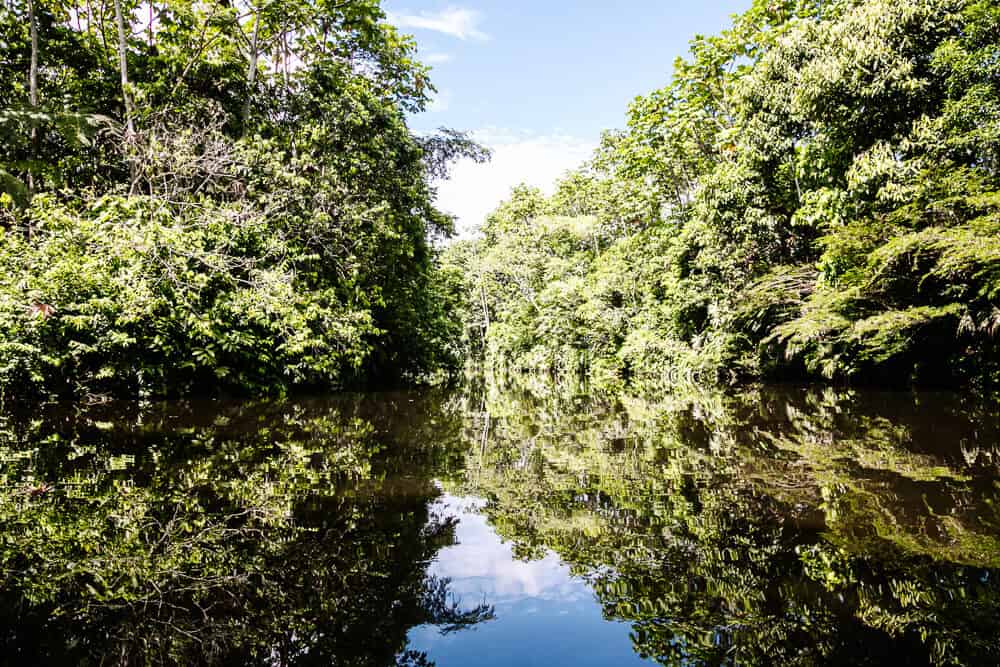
(764, 526)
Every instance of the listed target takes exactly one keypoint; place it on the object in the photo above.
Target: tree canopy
(816, 194)
(205, 196)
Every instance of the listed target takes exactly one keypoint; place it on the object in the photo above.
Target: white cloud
(455, 21)
(481, 565)
(474, 190)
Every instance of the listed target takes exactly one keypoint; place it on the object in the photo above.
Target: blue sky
(539, 81)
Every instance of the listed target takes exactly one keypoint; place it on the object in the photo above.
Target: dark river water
(769, 526)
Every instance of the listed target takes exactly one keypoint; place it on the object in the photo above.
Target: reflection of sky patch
(545, 616)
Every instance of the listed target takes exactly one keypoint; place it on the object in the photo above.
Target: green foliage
(133, 297)
(814, 195)
(249, 213)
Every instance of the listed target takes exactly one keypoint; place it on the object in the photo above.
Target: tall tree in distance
(255, 17)
(126, 91)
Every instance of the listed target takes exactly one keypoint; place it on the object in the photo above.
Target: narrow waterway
(769, 526)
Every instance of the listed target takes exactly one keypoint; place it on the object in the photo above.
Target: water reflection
(544, 614)
(772, 526)
(228, 534)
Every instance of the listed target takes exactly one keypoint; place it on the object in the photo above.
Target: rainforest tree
(201, 196)
(815, 194)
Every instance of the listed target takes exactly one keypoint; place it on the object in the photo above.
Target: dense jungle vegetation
(227, 197)
(816, 194)
(215, 196)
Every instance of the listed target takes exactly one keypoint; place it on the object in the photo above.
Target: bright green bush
(131, 296)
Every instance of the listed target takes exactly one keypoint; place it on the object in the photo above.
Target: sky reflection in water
(544, 614)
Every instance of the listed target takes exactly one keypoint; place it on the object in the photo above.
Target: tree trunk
(286, 57)
(486, 313)
(33, 68)
(33, 101)
(123, 68)
(252, 73)
(127, 98)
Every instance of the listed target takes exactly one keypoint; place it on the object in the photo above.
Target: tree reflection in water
(261, 533)
(767, 527)
(770, 527)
